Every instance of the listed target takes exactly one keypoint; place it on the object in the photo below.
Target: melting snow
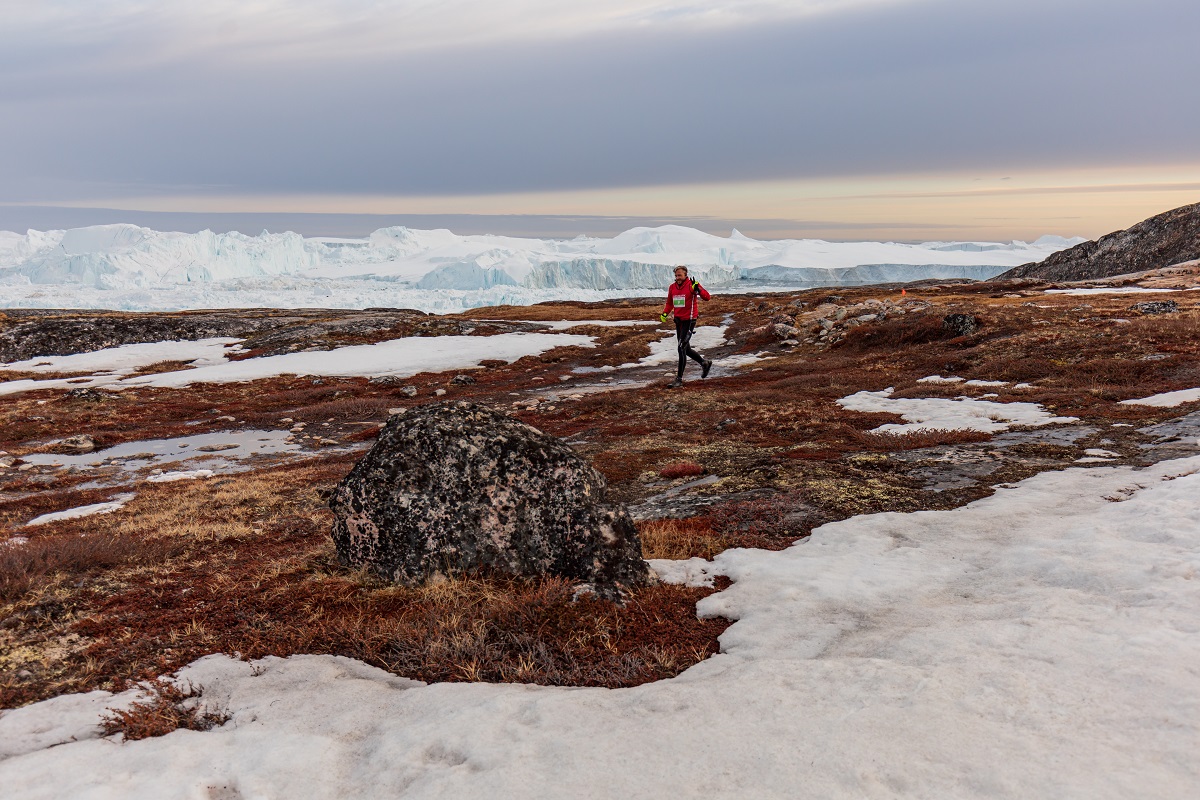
(116, 504)
(960, 414)
(1166, 399)
(1041, 642)
(399, 357)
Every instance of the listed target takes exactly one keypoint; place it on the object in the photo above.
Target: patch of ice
(985, 383)
(939, 379)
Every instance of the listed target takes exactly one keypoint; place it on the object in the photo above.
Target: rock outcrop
(1169, 238)
(456, 488)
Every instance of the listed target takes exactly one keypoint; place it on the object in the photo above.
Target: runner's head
(681, 274)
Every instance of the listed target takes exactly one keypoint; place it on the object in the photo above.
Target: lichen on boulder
(456, 488)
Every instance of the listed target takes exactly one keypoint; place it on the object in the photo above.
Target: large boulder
(457, 488)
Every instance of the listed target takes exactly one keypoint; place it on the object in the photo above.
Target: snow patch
(1166, 399)
(108, 507)
(1039, 642)
(959, 414)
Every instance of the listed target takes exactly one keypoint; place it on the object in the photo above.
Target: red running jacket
(683, 301)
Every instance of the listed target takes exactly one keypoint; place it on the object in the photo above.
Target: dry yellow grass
(678, 539)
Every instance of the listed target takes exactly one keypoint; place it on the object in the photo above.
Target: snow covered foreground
(131, 268)
(1042, 642)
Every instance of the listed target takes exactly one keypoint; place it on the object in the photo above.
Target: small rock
(86, 395)
(462, 380)
(408, 391)
(394, 411)
(439, 392)
(216, 448)
(225, 418)
(82, 443)
(24, 467)
(781, 331)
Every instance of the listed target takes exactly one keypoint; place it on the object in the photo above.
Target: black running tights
(683, 331)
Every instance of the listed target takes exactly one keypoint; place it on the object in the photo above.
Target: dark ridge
(1168, 238)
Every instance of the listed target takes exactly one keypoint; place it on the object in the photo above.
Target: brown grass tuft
(165, 709)
(913, 329)
(682, 469)
(23, 566)
(679, 539)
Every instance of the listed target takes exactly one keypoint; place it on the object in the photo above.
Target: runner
(681, 298)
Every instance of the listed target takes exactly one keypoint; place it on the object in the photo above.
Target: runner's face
(680, 277)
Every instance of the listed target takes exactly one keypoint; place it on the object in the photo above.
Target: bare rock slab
(456, 488)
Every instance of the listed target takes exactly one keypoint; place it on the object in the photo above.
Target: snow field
(1041, 642)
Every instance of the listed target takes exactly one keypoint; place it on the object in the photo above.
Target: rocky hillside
(1168, 238)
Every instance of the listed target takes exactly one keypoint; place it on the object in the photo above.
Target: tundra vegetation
(753, 456)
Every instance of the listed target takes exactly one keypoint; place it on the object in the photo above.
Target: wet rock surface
(1160, 241)
(451, 489)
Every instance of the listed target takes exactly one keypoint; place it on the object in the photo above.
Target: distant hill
(1163, 240)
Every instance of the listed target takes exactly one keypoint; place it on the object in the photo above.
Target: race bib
(678, 301)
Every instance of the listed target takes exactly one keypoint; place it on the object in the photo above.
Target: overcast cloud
(108, 99)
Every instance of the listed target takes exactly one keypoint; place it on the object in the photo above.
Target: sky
(843, 119)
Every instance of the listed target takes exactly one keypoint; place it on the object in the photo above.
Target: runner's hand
(662, 317)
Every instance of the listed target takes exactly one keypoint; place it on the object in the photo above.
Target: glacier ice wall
(130, 267)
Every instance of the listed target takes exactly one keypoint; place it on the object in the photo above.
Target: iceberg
(134, 268)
